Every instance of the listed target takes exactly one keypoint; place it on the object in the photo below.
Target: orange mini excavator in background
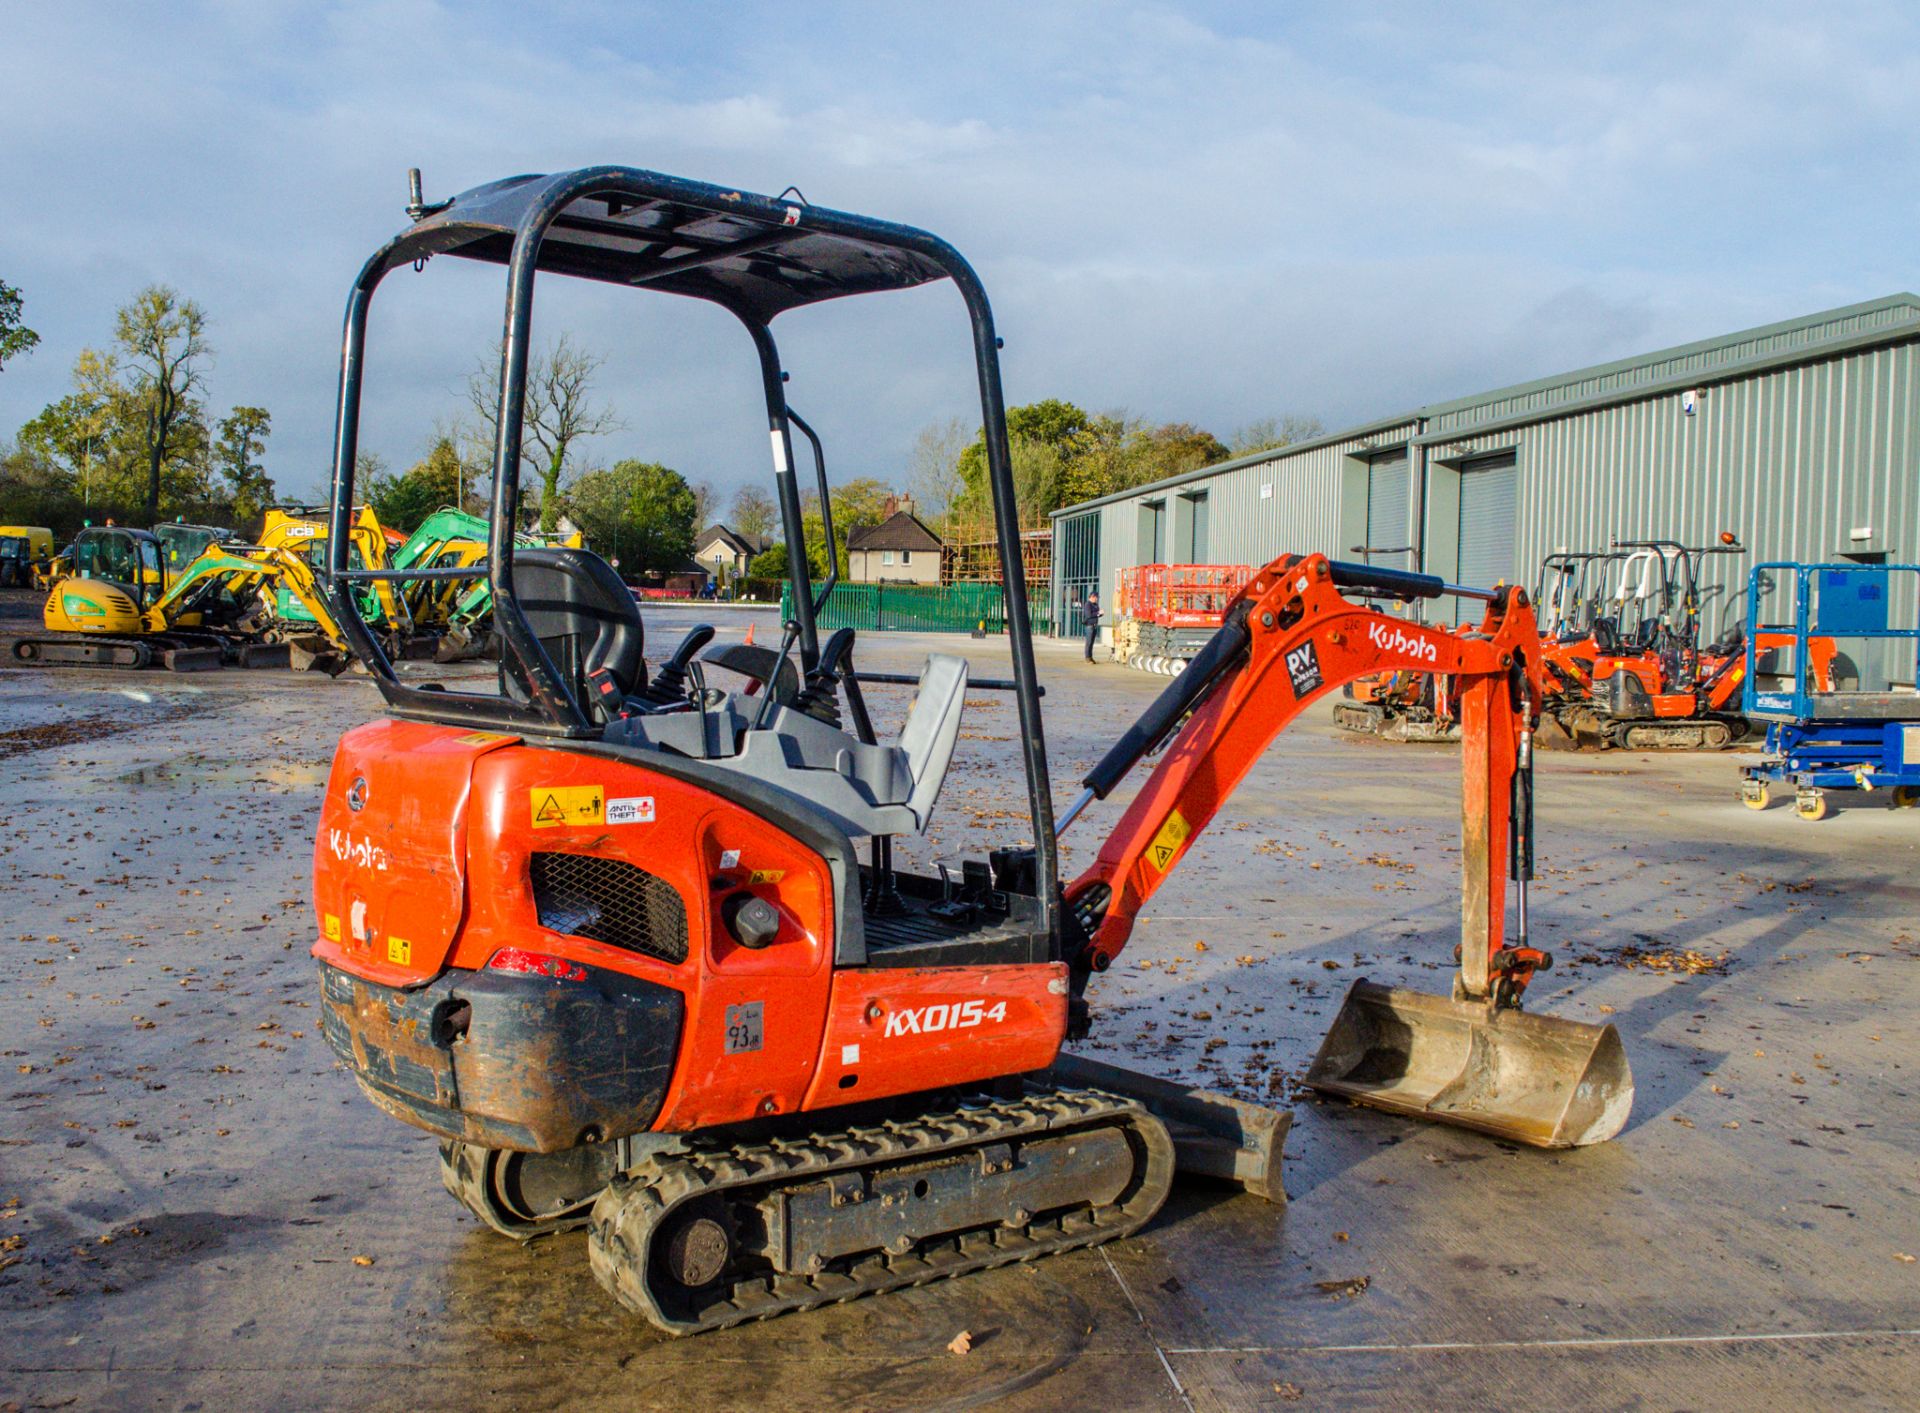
(605, 930)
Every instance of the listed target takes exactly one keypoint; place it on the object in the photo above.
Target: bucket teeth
(1538, 1080)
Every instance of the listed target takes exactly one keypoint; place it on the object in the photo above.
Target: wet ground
(197, 1209)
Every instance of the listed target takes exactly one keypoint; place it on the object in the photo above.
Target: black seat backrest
(586, 619)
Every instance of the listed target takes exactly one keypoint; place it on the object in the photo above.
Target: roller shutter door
(1489, 497)
(1389, 493)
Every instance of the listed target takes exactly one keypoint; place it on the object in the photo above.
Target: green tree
(770, 563)
(637, 512)
(435, 480)
(238, 447)
(1050, 422)
(163, 339)
(16, 339)
(1174, 448)
(559, 412)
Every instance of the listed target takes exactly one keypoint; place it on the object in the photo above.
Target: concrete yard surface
(199, 1210)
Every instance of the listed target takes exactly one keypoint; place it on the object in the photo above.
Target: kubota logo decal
(360, 853)
(959, 1015)
(1397, 640)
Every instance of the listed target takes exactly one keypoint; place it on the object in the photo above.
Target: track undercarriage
(702, 1234)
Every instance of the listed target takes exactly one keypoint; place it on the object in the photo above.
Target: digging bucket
(1539, 1080)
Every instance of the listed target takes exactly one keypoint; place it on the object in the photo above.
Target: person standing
(1090, 615)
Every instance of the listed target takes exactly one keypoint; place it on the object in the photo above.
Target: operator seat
(586, 619)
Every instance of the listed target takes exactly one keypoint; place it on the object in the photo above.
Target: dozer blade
(1213, 1134)
(1538, 1080)
(192, 659)
(266, 655)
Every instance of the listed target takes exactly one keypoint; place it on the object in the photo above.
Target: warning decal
(567, 804)
(1168, 841)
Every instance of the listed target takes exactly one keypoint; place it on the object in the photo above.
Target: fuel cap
(752, 920)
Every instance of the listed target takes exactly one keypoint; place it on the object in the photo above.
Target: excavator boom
(1291, 638)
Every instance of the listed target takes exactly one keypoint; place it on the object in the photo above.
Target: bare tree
(705, 501)
(933, 466)
(1271, 433)
(751, 513)
(164, 340)
(558, 412)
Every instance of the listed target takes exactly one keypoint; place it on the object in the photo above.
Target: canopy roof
(756, 255)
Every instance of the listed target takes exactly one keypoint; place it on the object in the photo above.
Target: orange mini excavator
(604, 929)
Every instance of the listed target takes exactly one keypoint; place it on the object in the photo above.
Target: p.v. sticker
(1303, 667)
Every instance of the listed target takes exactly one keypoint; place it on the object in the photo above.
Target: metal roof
(1890, 320)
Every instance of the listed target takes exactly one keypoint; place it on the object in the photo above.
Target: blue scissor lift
(1836, 687)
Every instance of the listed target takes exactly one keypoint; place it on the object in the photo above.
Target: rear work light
(536, 964)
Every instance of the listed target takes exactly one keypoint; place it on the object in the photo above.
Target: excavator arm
(1291, 638)
(1471, 1058)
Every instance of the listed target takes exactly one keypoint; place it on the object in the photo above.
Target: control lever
(820, 698)
(669, 685)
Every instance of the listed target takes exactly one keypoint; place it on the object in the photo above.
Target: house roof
(734, 540)
(1826, 334)
(900, 531)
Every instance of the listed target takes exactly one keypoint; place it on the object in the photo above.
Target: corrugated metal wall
(1793, 461)
(1254, 512)
(1793, 458)
(1702, 360)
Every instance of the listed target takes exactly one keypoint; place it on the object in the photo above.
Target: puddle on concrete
(196, 769)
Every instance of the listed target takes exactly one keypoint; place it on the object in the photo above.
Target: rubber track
(83, 650)
(633, 1208)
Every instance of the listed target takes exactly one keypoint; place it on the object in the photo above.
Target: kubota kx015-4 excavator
(605, 930)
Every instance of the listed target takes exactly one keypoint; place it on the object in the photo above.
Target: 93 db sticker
(743, 1028)
(1303, 667)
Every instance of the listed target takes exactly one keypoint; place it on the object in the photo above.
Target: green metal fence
(919, 608)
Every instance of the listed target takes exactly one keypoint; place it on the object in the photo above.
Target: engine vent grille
(609, 901)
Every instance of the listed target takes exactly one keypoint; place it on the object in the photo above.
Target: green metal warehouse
(1802, 437)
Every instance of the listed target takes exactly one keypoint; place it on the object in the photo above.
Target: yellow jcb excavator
(115, 605)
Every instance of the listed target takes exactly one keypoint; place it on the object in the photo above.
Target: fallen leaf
(1346, 1289)
(961, 1343)
(1340, 1236)
(1902, 1256)
(1683, 1122)
(363, 1260)
(1289, 1393)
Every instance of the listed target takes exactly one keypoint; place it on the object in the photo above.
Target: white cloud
(1210, 214)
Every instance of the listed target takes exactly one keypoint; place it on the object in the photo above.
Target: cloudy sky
(1201, 212)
